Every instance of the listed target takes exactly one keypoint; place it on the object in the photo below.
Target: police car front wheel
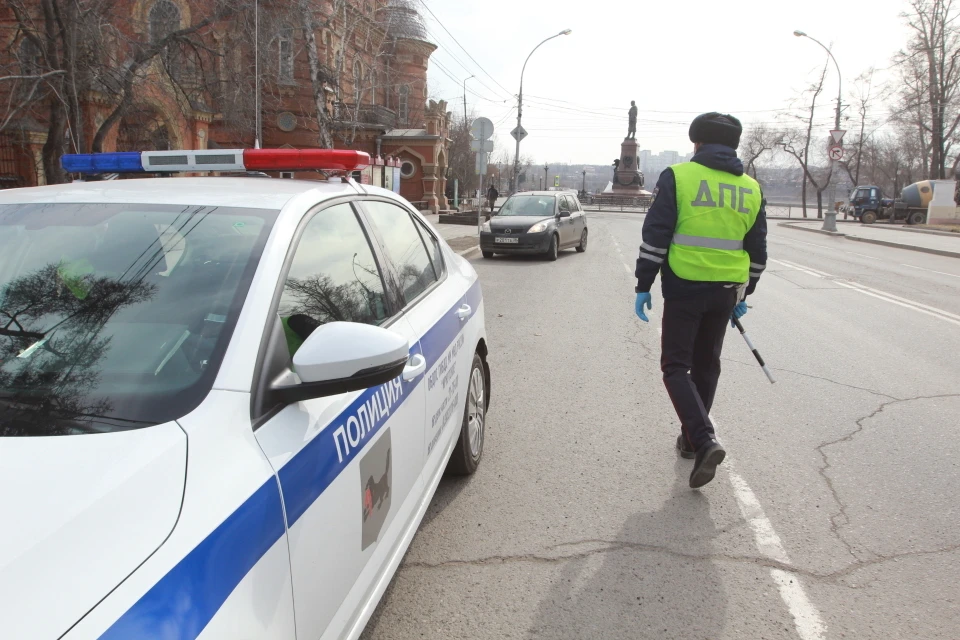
(466, 455)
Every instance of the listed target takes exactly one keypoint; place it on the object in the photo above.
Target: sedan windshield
(529, 205)
(114, 316)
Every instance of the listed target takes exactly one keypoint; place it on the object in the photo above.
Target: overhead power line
(479, 66)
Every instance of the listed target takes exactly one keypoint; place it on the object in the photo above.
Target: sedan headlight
(540, 227)
(485, 227)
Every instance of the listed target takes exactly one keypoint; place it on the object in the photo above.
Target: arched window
(403, 109)
(285, 55)
(164, 19)
(30, 57)
(357, 82)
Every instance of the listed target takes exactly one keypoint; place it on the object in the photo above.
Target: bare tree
(350, 35)
(20, 93)
(759, 139)
(929, 69)
(797, 142)
(90, 46)
(863, 102)
(145, 48)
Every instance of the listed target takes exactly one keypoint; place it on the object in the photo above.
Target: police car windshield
(117, 316)
(529, 205)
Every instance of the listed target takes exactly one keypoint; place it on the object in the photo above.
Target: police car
(225, 403)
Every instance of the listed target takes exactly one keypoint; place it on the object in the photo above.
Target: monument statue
(632, 130)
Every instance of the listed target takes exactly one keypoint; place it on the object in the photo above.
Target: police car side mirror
(340, 357)
(563, 214)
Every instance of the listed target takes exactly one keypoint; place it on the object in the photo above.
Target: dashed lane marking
(943, 273)
(806, 618)
(919, 307)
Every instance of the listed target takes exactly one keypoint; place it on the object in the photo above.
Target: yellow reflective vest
(715, 210)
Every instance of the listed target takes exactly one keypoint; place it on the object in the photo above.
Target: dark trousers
(693, 330)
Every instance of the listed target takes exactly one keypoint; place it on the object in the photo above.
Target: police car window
(113, 316)
(436, 255)
(333, 277)
(404, 246)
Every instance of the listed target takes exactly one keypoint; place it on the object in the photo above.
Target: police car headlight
(540, 227)
(485, 227)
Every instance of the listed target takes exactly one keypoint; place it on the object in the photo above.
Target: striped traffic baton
(756, 353)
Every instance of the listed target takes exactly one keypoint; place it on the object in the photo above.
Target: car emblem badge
(507, 231)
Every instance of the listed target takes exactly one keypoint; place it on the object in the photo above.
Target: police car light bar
(216, 160)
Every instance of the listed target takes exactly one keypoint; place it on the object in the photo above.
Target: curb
(929, 232)
(883, 243)
(466, 252)
(794, 225)
(909, 247)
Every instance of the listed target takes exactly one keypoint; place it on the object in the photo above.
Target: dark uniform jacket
(661, 222)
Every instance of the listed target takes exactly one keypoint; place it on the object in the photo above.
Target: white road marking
(943, 273)
(876, 293)
(863, 255)
(793, 241)
(852, 253)
(806, 618)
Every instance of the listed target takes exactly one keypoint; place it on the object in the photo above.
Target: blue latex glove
(643, 300)
(739, 311)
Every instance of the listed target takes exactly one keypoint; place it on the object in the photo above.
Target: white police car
(225, 403)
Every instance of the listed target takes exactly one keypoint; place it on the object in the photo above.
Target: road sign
(481, 145)
(480, 168)
(837, 135)
(518, 133)
(481, 129)
(836, 152)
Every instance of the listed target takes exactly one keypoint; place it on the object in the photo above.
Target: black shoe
(686, 451)
(709, 455)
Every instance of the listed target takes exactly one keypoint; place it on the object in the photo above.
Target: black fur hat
(716, 128)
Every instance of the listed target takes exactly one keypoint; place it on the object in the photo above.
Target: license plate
(507, 240)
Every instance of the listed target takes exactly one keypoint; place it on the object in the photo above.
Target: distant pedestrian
(706, 235)
(492, 195)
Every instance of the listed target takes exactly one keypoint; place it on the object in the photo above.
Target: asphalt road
(835, 516)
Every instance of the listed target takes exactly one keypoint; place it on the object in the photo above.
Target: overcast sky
(676, 59)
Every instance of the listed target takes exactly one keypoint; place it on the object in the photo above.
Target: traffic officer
(706, 234)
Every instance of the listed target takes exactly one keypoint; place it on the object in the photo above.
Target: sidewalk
(889, 236)
(461, 238)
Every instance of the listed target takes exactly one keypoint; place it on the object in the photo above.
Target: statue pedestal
(628, 180)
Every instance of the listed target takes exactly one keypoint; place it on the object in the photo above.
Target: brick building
(200, 90)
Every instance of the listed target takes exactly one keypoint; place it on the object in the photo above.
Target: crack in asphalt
(835, 523)
(613, 546)
(810, 375)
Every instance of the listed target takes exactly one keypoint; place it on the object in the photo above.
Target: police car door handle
(415, 366)
(464, 312)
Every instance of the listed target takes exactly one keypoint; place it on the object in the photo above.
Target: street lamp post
(516, 157)
(466, 127)
(801, 34)
(830, 222)
(584, 188)
(546, 183)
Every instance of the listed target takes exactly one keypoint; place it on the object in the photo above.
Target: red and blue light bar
(216, 160)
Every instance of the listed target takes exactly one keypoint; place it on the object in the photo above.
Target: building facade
(347, 74)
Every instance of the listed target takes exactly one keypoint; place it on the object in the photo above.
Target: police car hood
(80, 514)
